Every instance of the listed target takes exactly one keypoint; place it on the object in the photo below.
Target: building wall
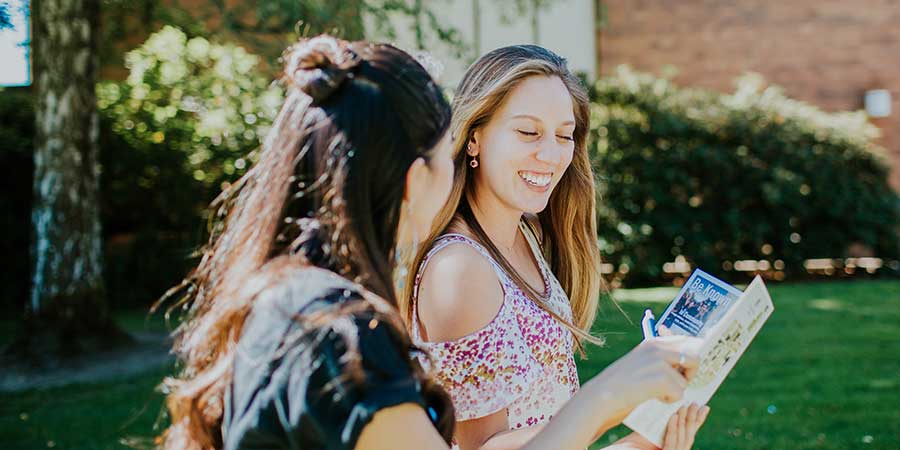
(826, 52)
(566, 27)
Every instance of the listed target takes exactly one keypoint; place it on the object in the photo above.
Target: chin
(535, 207)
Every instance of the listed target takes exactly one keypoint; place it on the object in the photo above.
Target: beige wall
(826, 52)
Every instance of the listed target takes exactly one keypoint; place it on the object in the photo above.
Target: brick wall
(826, 52)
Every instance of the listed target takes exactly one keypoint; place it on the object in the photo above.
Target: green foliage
(750, 175)
(183, 124)
(200, 99)
(266, 27)
(5, 17)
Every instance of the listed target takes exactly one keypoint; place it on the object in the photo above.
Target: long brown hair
(326, 192)
(569, 222)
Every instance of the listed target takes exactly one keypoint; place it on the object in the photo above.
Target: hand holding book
(726, 320)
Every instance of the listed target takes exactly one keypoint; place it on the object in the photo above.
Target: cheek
(503, 155)
(446, 180)
(567, 159)
(442, 184)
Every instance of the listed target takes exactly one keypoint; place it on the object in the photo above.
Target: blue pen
(648, 324)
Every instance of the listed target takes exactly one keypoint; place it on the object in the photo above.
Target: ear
(472, 147)
(417, 178)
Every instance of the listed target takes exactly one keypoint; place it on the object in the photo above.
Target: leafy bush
(202, 100)
(184, 123)
(723, 177)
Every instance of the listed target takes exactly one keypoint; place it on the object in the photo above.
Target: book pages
(723, 344)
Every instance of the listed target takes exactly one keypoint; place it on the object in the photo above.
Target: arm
(492, 433)
(402, 427)
(602, 403)
(449, 310)
(459, 295)
(405, 427)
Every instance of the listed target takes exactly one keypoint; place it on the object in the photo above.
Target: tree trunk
(67, 313)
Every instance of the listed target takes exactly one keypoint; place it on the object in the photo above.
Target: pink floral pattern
(522, 360)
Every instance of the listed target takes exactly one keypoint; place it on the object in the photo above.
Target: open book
(727, 320)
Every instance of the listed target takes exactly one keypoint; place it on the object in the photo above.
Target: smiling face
(526, 147)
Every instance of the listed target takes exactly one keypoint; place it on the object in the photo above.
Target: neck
(499, 222)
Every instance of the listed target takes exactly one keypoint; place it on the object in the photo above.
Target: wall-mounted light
(878, 103)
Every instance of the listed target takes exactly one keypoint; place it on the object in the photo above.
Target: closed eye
(567, 138)
(528, 133)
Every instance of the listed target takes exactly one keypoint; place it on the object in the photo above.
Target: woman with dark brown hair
(292, 338)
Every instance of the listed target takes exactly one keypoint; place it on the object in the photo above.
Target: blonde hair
(569, 222)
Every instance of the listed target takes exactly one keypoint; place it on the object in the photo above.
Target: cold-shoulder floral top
(521, 361)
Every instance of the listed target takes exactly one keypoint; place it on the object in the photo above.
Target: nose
(549, 153)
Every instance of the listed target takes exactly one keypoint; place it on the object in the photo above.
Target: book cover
(727, 324)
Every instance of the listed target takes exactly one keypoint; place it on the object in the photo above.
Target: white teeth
(539, 180)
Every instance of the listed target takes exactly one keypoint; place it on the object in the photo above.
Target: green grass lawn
(824, 373)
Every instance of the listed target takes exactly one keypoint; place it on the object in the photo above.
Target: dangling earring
(474, 162)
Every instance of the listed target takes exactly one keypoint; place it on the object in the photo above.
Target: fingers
(677, 435)
(674, 385)
(685, 359)
(685, 432)
(683, 425)
(670, 441)
(704, 413)
(688, 431)
(689, 372)
(663, 330)
(679, 351)
(693, 418)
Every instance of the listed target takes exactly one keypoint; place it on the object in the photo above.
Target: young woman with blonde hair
(508, 287)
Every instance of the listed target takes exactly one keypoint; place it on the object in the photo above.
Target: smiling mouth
(535, 178)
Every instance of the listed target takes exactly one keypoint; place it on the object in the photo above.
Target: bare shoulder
(459, 293)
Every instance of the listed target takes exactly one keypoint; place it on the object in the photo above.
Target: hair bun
(319, 66)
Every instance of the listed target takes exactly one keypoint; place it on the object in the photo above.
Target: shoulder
(319, 357)
(459, 293)
(288, 299)
(314, 315)
(288, 292)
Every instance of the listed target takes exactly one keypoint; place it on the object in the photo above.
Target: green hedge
(724, 177)
(185, 122)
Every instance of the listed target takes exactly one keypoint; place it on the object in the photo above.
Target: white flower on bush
(194, 96)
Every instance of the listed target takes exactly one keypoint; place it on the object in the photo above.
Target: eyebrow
(534, 118)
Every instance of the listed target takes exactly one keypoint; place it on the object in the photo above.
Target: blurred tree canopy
(267, 27)
(723, 177)
(184, 123)
(5, 18)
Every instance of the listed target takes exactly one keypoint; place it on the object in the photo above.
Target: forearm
(583, 418)
(517, 439)
(633, 441)
(512, 439)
